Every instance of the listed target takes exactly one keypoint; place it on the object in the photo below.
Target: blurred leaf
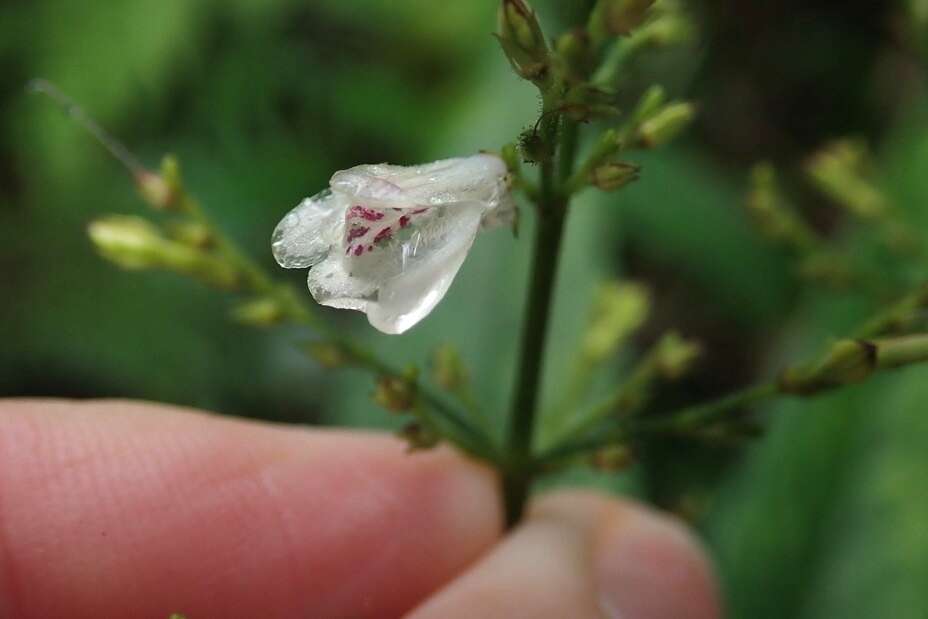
(685, 215)
(874, 562)
(106, 54)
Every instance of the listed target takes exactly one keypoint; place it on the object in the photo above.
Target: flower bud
(418, 436)
(260, 312)
(448, 368)
(617, 17)
(161, 191)
(134, 243)
(842, 172)
(669, 26)
(666, 124)
(522, 40)
(191, 233)
(510, 155)
(574, 49)
(649, 104)
(675, 356)
(614, 175)
(330, 355)
(776, 219)
(129, 242)
(613, 459)
(619, 310)
(395, 393)
(154, 190)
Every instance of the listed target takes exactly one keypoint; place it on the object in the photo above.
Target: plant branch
(844, 363)
(551, 215)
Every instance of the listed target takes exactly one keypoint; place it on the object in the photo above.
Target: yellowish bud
(135, 243)
(619, 310)
(523, 41)
(666, 124)
(675, 356)
(395, 393)
(617, 17)
(614, 175)
(260, 312)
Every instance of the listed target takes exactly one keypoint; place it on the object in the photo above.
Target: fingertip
(649, 566)
(584, 555)
(145, 510)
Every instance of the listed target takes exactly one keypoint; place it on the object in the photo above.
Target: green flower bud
(170, 172)
(260, 312)
(134, 243)
(161, 191)
(666, 124)
(619, 310)
(674, 356)
(154, 190)
(523, 41)
(129, 242)
(448, 368)
(842, 171)
(613, 459)
(330, 355)
(649, 104)
(617, 17)
(510, 154)
(191, 233)
(575, 51)
(669, 25)
(395, 393)
(419, 437)
(614, 175)
(774, 218)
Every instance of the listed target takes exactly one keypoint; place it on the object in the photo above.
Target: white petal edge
(479, 178)
(305, 236)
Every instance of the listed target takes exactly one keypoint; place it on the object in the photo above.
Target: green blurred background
(827, 516)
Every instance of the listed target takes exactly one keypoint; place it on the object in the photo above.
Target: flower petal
(399, 282)
(305, 236)
(480, 178)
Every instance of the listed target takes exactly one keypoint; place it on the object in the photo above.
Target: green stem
(552, 213)
(679, 421)
(704, 414)
(569, 138)
(467, 436)
(630, 397)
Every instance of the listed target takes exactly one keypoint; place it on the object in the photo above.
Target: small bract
(388, 240)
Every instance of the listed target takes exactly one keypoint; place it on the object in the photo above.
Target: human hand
(120, 509)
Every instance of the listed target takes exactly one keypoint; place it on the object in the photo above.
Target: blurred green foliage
(825, 517)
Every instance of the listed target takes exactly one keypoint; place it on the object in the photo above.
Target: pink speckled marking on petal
(368, 214)
(384, 234)
(356, 232)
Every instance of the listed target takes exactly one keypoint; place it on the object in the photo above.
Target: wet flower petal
(303, 238)
(443, 182)
(389, 240)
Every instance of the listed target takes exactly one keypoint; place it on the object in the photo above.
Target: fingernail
(650, 567)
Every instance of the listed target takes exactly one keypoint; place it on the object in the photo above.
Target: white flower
(388, 240)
